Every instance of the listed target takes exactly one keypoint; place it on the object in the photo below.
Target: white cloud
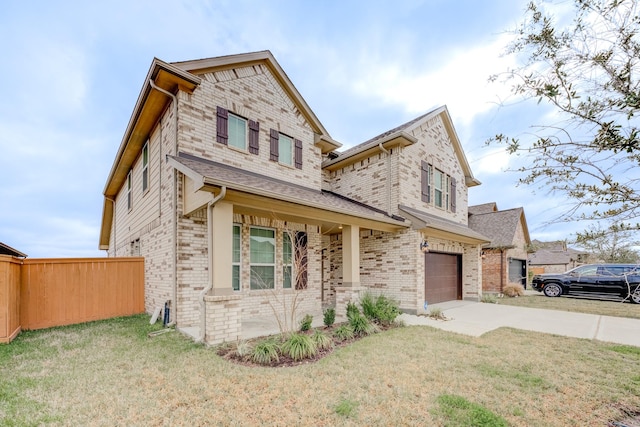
(459, 80)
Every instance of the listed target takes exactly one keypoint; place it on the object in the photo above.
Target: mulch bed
(228, 351)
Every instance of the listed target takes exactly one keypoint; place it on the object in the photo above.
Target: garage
(443, 277)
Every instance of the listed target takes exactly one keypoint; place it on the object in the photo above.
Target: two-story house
(239, 200)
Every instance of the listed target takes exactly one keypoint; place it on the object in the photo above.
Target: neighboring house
(8, 250)
(504, 259)
(234, 192)
(555, 257)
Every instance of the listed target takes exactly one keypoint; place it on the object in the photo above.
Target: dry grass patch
(580, 305)
(111, 373)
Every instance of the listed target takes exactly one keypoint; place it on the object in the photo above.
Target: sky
(72, 71)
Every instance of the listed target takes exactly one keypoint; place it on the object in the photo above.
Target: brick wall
(147, 229)
(253, 93)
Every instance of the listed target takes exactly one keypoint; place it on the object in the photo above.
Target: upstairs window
(285, 149)
(129, 194)
(145, 167)
(237, 131)
(438, 188)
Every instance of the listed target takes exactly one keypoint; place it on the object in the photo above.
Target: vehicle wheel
(635, 296)
(552, 290)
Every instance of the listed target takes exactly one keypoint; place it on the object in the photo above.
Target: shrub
(244, 348)
(305, 323)
(329, 317)
(344, 333)
(352, 310)
(368, 304)
(299, 346)
(361, 325)
(322, 340)
(380, 309)
(513, 290)
(266, 352)
(489, 298)
(436, 313)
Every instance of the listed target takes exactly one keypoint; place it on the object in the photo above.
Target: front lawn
(576, 304)
(111, 373)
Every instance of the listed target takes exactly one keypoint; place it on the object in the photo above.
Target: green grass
(111, 373)
(580, 305)
(458, 411)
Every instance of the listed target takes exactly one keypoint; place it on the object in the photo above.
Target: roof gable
(500, 226)
(228, 67)
(402, 135)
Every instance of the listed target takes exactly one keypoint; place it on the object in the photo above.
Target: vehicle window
(609, 271)
(587, 270)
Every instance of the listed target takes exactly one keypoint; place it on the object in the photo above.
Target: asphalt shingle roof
(499, 226)
(251, 182)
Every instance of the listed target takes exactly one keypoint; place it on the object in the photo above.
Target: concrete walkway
(475, 319)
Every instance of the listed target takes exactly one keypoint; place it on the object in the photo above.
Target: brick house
(555, 257)
(236, 195)
(504, 259)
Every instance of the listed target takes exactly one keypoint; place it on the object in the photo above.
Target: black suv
(604, 280)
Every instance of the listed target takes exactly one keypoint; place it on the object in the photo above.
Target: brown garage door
(442, 280)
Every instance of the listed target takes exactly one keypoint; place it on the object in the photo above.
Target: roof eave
(396, 139)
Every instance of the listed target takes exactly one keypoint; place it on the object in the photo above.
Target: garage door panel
(442, 277)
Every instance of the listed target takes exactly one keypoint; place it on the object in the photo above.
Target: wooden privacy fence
(41, 293)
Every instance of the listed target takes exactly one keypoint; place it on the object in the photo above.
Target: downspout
(384, 150)
(205, 291)
(501, 270)
(174, 297)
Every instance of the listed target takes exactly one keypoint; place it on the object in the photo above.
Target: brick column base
(345, 295)
(224, 318)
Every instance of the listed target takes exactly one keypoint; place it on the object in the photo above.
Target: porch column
(351, 255)
(221, 248)
(349, 291)
(222, 317)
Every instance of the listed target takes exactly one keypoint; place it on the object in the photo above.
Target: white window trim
(145, 168)
(239, 262)
(129, 191)
(291, 262)
(275, 258)
(245, 147)
(292, 150)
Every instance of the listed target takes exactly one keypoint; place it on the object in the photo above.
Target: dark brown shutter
(273, 151)
(452, 195)
(301, 259)
(424, 182)
(298, 154)
(254, 135)
(222, 128)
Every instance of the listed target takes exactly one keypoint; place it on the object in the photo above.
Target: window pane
(236, 277)
(236, 243)
(285, 149)
(237, 132)
(262, 277)
(286, 276)
(439, 186)
(263, 246)
(286, 248)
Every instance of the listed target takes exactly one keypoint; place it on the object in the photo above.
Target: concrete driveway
(475, 319)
